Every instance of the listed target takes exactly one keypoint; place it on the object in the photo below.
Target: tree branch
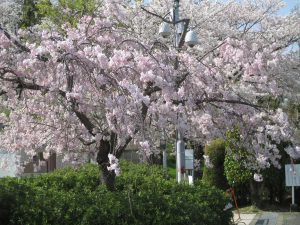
(32, 86)
(158, 16)
(14, 41)
(239, 102)
(185, 28)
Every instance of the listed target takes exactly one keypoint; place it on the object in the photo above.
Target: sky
(290, 4)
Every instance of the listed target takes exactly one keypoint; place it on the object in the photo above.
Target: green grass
(250, 209)
(266, 208)
(172, 172)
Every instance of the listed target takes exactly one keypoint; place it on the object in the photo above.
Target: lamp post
(181, 37)
(163, 146)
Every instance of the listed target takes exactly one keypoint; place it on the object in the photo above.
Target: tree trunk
(255, 189)
(106, 177)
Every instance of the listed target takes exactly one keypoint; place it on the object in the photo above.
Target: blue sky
(289, 5)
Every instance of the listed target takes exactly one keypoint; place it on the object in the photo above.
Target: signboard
(189, 159)
(292, 175)
(10, 160)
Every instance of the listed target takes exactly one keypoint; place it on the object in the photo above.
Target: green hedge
(215, 176)
(74, 196)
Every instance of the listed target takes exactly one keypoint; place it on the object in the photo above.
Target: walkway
(269, 218)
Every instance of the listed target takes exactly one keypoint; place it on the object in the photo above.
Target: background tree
(11, 11)
(72, 10)
(30, 15)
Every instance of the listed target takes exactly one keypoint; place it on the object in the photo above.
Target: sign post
(292, 179)
(189, 165)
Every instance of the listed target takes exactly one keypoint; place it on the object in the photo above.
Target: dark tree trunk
(106, 177)
(255, 189)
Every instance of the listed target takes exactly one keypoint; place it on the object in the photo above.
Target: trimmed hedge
(74, 196)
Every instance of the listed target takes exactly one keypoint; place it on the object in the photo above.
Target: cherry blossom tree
(10, 11)
(111, 80)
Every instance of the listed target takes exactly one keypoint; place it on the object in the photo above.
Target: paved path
(245, 219)
(275, 218)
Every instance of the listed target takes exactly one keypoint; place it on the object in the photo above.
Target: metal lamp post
(163, 146)
(190, 38)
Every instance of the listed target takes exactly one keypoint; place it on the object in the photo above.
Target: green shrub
(235, 160)
(68, 178)
(73, 196)
(215, 176)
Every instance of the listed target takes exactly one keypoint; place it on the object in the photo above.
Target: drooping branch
(122, 147)
(22, 84)
(142, 46)
(181, 79)
(14, 41)
(2, 92)
(228, 101)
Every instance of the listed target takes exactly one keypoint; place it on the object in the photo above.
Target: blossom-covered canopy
(112, 79)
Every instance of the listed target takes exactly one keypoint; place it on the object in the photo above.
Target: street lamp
(191, 39)
(165, 30)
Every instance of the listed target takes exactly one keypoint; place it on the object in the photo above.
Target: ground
(268, 218)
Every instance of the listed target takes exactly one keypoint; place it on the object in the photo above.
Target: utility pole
(180, 151)
(182, 35)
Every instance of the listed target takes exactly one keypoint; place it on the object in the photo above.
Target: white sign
(189, 159)
(292, 175)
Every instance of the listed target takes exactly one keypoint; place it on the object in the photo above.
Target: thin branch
(14, 41)
(121, 148)
(213, 49)
(158, 16)
(229, 101)
(141, 45)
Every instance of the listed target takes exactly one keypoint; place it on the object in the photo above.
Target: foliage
(215, 175)
(234, 165)
(34, 11)
(30, 14)
(69, 179)
(72, 10)
(72, 196)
